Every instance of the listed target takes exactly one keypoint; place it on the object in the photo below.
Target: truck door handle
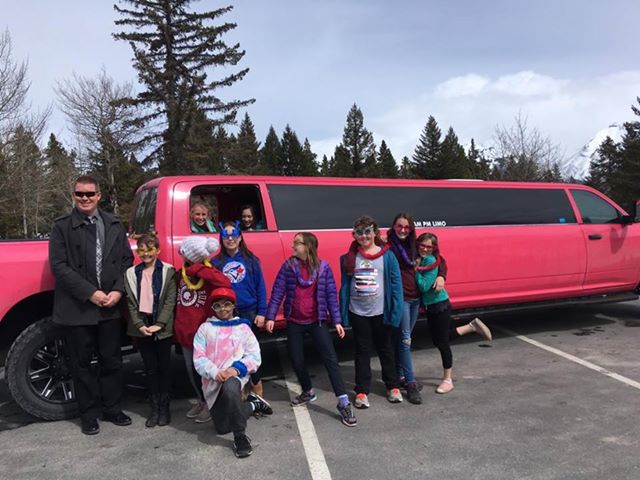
(595, 236)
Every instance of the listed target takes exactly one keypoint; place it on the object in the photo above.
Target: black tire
(37, 372)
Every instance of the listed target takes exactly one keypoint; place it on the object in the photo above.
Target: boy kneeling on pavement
(225, 353)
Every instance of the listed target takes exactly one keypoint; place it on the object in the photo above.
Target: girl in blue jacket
(243, 270)
(307, 286)
(372, 302)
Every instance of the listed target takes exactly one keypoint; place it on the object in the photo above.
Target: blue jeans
(403, 342)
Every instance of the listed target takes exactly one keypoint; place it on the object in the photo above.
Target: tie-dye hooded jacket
(220, 344)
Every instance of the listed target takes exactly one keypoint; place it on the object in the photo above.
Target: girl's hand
(145, 331)
(438, 285)
(154, 329)
(340, 330)
(226, 374)
(270, 324)
(259, 321)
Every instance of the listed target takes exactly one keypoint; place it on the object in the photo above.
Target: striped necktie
(92, 220)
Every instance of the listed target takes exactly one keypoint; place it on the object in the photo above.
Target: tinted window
(144, 216)
(299, 207)
(593, 208)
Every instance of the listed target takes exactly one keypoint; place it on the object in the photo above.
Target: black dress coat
(72, 259)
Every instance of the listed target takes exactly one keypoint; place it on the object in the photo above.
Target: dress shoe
(90, 427)
(121, 419)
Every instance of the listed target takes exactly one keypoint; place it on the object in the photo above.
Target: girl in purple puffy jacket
(307, 286)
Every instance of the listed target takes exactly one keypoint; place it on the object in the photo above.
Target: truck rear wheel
(37, 372)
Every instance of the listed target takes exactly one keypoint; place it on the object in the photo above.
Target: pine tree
(341, 165)
(243, 158)
(61, 172)
(604, 166)
(451, 161)
(625, 183)
(357, 142)
(325, 167)
(291, 152)
(271, 154)
(200, 153)
(425, 157)
(479, 166)
(388, 167)
(308, 164)
(174, 51)
(406, 168)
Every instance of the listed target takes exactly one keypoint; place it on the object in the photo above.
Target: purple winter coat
(284, 287)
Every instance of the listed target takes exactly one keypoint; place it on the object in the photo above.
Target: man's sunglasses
(85, 194)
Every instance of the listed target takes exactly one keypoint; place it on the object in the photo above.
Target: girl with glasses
(243, 270)
(307, 286)
(439, 308)
(402, 240)
(372, 302)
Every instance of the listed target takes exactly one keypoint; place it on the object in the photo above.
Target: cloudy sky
(570, 66)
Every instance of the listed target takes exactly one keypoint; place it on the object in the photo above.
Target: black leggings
(442, 330)
(156, 355)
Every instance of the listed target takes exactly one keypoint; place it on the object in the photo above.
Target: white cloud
(528, 83)
(569, 111)
(466, 85)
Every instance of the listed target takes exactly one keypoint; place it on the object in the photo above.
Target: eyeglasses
(223, 305)
(147, 251)
(403, 228)
(422, 246)
(363, 231)
(233, 238)
(85, 194)
(297, 242)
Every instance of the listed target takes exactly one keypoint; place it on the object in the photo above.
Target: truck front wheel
(37, 372)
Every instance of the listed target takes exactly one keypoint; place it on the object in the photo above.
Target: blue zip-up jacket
(247, 280)
(393, 293)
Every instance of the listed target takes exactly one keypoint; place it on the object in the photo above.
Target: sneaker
(481, 329)
(346, 415)
(304, 398)
(261, 406)
(242, 446)
(204, 416)
(195, 410)
(361, 401)
(394, 395)
(413, 393)
(404, 384)
(446, 386)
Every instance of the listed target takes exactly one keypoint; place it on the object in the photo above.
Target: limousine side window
(336, 206)
(594, 209)
(226, 201)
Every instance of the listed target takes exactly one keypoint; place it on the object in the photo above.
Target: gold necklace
(198, 285)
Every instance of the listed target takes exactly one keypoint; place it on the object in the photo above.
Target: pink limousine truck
(508, 246)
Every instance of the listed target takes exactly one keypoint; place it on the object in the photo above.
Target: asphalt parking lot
(554, 396)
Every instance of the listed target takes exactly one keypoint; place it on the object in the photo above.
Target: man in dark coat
(89, 254)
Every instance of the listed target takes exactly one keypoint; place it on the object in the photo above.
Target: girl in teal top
(439, 308)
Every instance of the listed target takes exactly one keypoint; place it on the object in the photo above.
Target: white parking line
(573, 358)
(315, 457)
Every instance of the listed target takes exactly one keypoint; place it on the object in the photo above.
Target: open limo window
(318, 207)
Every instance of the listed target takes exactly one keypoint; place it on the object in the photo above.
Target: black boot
(164, 418)
(152, 419)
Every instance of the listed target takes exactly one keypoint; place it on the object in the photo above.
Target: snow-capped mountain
(577, 165)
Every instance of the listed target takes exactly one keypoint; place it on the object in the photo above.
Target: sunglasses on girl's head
(222, 305)
(363, 231)
(85, 194)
